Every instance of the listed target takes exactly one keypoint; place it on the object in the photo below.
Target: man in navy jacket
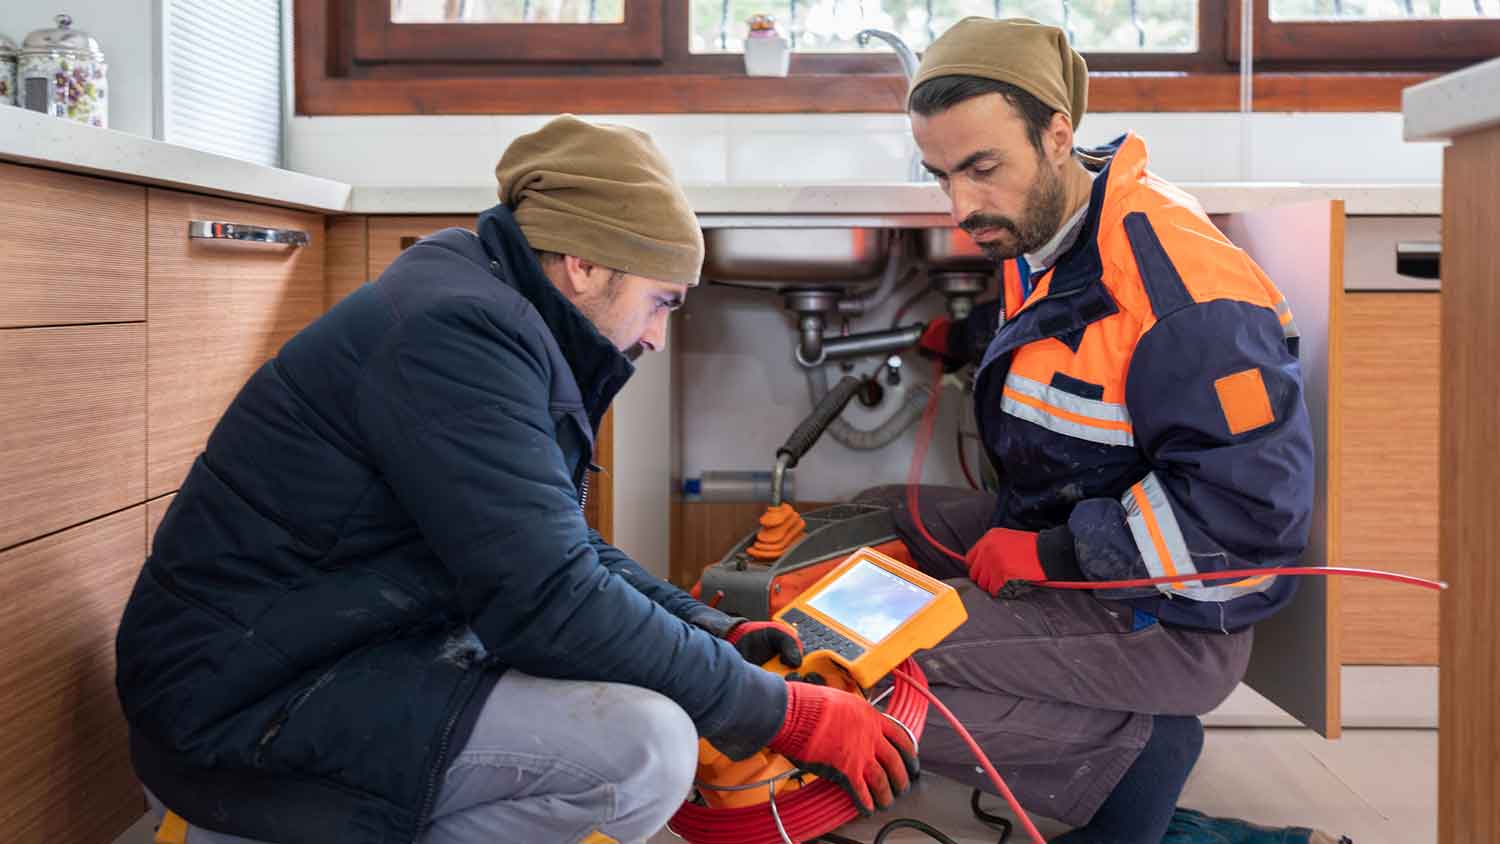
(374, 612)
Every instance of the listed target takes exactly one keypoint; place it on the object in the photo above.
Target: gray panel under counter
(1392, 254)
(1388, 253)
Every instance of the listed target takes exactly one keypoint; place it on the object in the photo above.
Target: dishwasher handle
(1419, 258)
(215, 230)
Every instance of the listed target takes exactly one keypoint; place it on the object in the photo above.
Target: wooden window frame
(1364, 45)
(333, 76)
(377, 40)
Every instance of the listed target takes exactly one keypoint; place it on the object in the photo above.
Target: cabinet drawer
(1388, 443)
(72, 249)
(72, 425)
(216, 310)
(67, 774)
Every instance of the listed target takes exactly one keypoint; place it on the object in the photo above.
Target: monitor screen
(870, 600)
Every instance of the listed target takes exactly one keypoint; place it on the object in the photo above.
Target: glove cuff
(1058, 555)
(738, 628)
(803, 710)
(717, 623)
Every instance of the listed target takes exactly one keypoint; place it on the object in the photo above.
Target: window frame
(1363, 44)
(330, 80)
(377, 40)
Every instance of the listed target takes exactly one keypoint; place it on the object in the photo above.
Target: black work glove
(758, 641)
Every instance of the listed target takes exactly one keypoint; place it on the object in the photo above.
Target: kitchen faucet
(915, 171)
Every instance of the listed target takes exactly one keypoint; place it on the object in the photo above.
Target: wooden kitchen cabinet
(72, 249)
(72, 426)
(67, 775)
(1469, 508)
(216, 310)
(390, 235)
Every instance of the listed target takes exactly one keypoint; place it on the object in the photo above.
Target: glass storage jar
(7, 71)
(62, 73)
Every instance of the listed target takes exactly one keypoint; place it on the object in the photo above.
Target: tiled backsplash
(462, 150)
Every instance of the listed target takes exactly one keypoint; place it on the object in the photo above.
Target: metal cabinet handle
(214, 230)
(1419, 259)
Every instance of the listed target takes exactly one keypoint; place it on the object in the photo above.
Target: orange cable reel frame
(763, 799)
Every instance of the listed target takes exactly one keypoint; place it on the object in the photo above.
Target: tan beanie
(604, 193)
(1031, 56)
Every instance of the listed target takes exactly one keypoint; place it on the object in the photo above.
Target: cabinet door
(216, 311)
(72, 249)
(346, 257)
(72, 426)
(1296, 659)
(1388, 413)
(67, 775)
(390, 235)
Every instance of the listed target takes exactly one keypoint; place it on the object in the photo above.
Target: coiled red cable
(807, 812)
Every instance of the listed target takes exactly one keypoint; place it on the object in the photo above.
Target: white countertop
(31, 138)
(1454, 104)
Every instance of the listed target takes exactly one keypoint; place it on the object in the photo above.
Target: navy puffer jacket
(386, 517)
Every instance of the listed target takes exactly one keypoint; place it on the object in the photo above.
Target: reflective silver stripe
(1289, 325)
(1229, 591)
(1181, 561)
(1158, 511)
(1105, 412)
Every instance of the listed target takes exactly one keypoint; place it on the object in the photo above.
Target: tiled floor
(1376, 786)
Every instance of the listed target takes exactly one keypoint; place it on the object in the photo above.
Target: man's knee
(656, 757)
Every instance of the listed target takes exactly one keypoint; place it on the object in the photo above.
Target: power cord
(1002, 824)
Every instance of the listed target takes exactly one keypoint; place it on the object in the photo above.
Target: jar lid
(7, 48)
(65, 40)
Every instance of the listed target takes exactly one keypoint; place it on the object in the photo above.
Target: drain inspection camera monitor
(870, 613)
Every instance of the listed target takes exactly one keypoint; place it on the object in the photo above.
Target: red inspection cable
(914, 477)
(822, 806)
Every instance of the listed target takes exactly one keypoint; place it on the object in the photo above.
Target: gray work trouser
(1057, 687)
(554, 761)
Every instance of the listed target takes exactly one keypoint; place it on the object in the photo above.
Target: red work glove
(934, 343)
(758, 641)
(1003, 555)
(935, 337)
(842, 738)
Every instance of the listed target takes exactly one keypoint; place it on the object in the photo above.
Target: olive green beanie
(1031, 56)
(604, 193)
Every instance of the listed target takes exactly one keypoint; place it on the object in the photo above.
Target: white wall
(710, 148)
(742, 394)
(126, 33)
(642, 474)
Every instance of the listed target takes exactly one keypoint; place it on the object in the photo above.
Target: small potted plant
(766, 51)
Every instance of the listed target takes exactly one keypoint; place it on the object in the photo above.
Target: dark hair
(545, 257)
(944, 92)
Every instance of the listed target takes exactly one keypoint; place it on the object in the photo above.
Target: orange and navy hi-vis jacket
(1144, 406)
